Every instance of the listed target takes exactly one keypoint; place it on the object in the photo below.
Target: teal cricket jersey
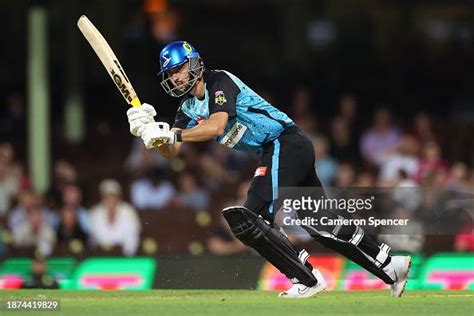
(253, 122)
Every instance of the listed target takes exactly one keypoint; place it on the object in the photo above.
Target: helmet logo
(167, 61)
(187, 47)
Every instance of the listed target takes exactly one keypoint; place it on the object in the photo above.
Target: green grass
(232, 302)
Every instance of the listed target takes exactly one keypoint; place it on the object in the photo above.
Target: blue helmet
(175, 55)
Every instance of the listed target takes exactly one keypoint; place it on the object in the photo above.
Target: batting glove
(139, 116)
(157, 133)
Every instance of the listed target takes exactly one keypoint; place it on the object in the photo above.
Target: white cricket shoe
(299, 290)
(401, 267)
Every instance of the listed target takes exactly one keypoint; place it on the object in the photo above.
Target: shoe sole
(406, 277)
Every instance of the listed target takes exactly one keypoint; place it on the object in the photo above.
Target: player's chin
(182, 88)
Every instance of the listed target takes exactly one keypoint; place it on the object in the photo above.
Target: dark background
(414, 55)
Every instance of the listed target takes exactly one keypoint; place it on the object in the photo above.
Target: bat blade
(109, 60)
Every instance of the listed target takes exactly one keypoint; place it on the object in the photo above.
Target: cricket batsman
(216, 104)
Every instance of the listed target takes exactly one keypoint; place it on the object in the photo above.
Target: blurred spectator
(14, 169)
(464, 240)
(308, 125)
(140, 159)
(72, 198)
(431, 206)
(12, 178)
(19, 214)
(36, 232)
(407, 193)
(13, 119)
(343, 141)
(164, 21)
(8, 188)
(470, 180)
(64, 173)
(379, 138)
(408, 238)
(423, 129)
(301, 103)
(152, 191)
(241, 195)
(432, 167)
(40, 278)
(190, 157)
(364, 179)
(345, 175)
(404, 156)
(348, 112)
(113, 221)
(191, 194)
(302, 110)
(135, 27)
(326, 166)
(69, 228)
(4, 239)
(452, 214)
(222, 240)
(232, 160)
(458, 177)
(440, 178)
(216, 174)
(348, 107)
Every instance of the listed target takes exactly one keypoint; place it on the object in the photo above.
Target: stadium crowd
(78, 213)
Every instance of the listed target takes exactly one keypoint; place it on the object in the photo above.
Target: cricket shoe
(299, 290)
(400, 269)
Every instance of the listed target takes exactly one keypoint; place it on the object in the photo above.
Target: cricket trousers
(289, 161)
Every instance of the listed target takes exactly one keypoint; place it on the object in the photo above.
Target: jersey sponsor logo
(260, 171)
(234, 135)
(220, 97)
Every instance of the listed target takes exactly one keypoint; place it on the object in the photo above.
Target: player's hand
(157, 133)
(139, 116)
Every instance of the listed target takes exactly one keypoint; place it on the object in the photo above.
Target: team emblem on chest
(220, 98)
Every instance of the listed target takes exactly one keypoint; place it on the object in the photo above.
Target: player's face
(180, 76)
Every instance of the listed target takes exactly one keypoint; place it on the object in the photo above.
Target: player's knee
(243, 223)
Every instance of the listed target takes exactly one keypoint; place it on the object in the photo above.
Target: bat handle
(136, 102)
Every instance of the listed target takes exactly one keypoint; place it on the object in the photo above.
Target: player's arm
(213, 127)
(207, 130)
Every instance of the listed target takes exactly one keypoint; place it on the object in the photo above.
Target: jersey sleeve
(223, 94)
(181, 120)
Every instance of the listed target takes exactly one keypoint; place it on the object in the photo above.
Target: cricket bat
(109, 60)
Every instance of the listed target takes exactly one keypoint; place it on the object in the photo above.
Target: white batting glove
(139, 116)
(157, 132)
